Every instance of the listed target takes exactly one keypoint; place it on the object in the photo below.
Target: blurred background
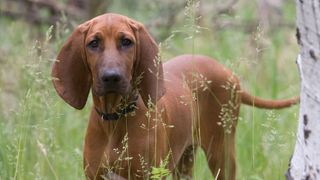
(41, 137)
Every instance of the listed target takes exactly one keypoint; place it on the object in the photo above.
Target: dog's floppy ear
(71, 76)
(148, 64)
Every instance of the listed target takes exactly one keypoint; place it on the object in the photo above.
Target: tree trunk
(305, 162)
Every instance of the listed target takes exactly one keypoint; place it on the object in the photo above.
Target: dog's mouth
(110, 102)
(110, 98)
(102, 90)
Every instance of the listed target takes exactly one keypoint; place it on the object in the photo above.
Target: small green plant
(162, 170)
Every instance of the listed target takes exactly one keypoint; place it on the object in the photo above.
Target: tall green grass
(41, 137)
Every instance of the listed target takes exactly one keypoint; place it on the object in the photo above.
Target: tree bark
(305, 162)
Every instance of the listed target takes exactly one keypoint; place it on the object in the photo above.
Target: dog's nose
(111, 77)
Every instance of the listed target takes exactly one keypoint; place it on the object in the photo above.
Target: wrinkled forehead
(110, 24)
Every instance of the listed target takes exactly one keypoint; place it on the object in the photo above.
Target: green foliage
(41, 137)
(34, 134)
(162, 170)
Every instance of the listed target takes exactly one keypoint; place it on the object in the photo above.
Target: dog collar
(122, 112)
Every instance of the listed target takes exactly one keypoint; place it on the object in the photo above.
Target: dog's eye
(125, 42)
(94, 44)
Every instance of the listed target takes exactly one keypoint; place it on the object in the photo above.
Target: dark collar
(121, 112)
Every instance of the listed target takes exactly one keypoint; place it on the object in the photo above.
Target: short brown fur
(188, 114)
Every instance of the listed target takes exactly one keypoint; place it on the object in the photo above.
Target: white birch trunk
(305, 162)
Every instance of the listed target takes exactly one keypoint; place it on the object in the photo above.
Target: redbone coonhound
(147, 115)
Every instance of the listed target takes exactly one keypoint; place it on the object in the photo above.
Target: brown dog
(146, 115)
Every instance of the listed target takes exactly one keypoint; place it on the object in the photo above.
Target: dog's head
(108, 53)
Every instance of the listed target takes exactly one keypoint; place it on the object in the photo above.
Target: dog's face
(107, 53)
(110, 47)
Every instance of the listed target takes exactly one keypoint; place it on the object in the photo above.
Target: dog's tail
(250, 100)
